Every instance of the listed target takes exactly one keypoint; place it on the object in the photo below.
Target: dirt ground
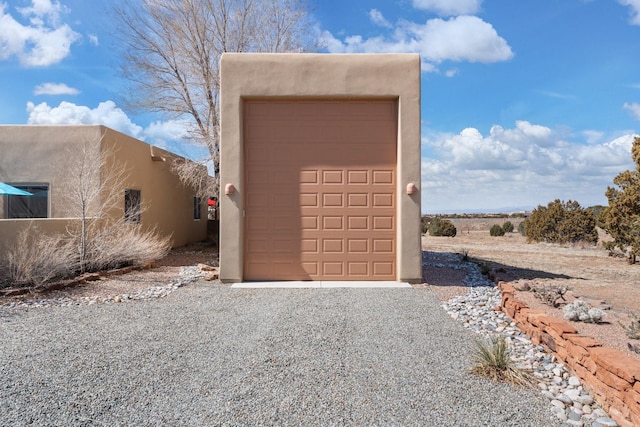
(589, 272)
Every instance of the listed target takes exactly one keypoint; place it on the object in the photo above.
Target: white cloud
(43, 41)
(377, 18)
(634, 6)
(93, 39)
(525, 165)
(171, 134)
(634, 108)
(106, 113)
(593, 136)
(463, 38)
(449, 7)
(55, 89)
(161, 132)
(451, 73)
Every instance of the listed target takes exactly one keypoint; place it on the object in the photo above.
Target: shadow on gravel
(504, 272)
(509, 273)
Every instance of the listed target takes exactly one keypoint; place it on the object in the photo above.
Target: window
(35, 206)
(132, 205)
(197, 205)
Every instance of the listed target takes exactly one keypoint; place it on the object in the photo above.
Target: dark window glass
(132, 205)
(35, 206)
(197, 204)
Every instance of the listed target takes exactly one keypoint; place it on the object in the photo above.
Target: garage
(320, 169)
(320, 189)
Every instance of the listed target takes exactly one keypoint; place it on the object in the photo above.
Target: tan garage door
(320, 185)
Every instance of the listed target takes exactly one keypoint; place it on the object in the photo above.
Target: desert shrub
(633, 328)
(551, 295)
(496, 230)
(36, 259)
(424, 224)
(442, 227)
(120, 244)
(561, 222)
(522, 228)
(507, 227)
(493, 360)
(580, 311)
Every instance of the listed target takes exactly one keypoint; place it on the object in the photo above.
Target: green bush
(496, 230)
(424, 224)
(561, 222)
(442, 227)
(522, 228)
(507, 227)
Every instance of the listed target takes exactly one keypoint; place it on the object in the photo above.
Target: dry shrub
(632, 330)
(36, 259)
(493, 360)
(121, 244)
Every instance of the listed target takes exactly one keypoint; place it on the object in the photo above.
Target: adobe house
(44, 160)
(320, 167)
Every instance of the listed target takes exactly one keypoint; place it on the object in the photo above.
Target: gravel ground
(210, 355)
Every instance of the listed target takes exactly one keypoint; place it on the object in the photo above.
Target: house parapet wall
(612, 376)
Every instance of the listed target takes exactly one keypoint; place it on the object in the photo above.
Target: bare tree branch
(171, 52)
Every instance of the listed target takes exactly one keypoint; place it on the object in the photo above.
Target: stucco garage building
(320, 160)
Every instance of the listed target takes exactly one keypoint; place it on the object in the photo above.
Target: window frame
(13, 202)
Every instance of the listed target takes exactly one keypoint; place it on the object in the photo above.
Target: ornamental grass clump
(493, 360)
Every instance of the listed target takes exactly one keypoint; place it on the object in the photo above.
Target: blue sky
(523, 101)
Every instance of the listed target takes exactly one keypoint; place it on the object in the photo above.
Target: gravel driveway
(210, 355)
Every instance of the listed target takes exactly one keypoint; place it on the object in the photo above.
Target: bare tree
(93, 190)
(89, 188)
(171, 51)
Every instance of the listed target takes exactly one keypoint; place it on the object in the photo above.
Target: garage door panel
(359, 223)
(327, 190)
(332, 200)
(332, 223)
(333, 246)
(358, 200)
(358, 177)
(382, 200)
(383, 223)
(308, 177)
(309, 200)
(332, 269)
(310, 223)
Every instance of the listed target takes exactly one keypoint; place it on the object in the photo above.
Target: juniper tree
(622, 216)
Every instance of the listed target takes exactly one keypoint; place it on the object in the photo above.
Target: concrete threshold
(321, 284)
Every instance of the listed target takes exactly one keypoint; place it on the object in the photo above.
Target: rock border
(612, 377)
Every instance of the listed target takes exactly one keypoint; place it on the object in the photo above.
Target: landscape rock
(475, 310)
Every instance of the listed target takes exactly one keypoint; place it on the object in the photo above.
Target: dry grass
(36, 259)
(493, 361)
(119, 244)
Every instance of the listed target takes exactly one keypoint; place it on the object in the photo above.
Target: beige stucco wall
(247, 75)
(50, 154)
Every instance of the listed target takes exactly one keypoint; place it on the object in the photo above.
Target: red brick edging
(612, 376)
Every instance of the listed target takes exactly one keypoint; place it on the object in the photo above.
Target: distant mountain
(505, 210)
